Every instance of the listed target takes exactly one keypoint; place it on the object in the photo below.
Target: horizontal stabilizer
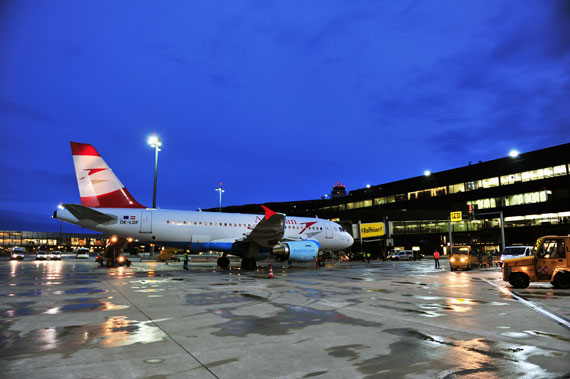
(83, 213)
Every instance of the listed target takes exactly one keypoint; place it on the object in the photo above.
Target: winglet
(268, 212)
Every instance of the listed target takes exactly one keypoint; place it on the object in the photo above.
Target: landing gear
(248, 264)
(223, 262)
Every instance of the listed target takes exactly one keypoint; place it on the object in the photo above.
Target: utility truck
(550, 262)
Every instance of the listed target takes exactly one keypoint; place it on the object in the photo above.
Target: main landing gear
(223, 262)
(248, 264)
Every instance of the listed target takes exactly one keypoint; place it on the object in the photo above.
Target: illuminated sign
(456, 216)
(372, 229)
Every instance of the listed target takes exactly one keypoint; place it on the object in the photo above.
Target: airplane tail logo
(99, 187)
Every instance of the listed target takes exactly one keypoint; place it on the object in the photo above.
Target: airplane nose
(350, 240)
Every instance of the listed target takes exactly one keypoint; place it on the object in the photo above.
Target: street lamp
(427, 173)
(155, 142)
(220, 190)
(513, 153)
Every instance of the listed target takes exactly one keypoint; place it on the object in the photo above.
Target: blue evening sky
(279, 100)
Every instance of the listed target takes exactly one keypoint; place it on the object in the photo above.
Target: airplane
(108, 207)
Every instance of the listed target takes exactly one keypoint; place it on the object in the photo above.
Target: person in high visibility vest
(436, 258)
(367, 255)
(185, 266)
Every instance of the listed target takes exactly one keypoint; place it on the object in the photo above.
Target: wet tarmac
(74, 319)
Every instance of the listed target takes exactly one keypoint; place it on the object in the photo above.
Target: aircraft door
(328, 230)
(146, 222)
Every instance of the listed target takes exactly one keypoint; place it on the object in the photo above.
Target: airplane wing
(269, 231)
(83, 213)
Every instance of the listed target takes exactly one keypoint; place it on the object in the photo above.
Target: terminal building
(531, 191)
(32, 241)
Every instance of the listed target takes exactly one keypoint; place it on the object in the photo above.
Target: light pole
(155, 142)
(220, 190)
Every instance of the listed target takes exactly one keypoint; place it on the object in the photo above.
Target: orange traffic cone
(270, 272)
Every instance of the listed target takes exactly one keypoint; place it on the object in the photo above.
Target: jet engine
(296, 251)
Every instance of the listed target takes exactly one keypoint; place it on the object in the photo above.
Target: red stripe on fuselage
(116, 199)
(83, 149)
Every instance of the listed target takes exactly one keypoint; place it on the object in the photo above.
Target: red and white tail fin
(98, 185)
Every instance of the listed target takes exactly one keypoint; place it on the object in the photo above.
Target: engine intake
(297, 251)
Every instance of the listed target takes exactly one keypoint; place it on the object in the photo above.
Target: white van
(81, 253)
(515, 252)
(17, 254)
(402, 255)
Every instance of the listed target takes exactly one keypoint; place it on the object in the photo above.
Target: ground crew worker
(367, 257)
(436, 258)
(185, 267)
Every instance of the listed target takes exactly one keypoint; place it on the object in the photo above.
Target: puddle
(153, 360)
(288, 319)
(438, 356)
(86, 307)
(424, 312)
(304, 282)
(115, 332)
(515, 334)
(18, 309)
(549, 335)
(86, 290)
(37, 292)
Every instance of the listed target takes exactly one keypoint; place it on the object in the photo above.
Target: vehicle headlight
(463, 259)
(452, 259)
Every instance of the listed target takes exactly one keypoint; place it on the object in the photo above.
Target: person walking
(436, 258)
(185, 266)
(367, 257)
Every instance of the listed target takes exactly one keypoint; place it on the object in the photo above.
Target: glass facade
(492, 182)
(35, 239)
(436, 226)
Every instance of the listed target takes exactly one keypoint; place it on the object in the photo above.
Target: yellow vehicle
(550, 263)
(463, 257)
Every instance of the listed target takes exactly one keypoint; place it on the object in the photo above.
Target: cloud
(26, 112)
(29, 221)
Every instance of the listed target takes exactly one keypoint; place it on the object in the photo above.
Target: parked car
(402, 255)
(515, 252)
(41, 255)
(54, 255)
(17, 254)
(82, 253)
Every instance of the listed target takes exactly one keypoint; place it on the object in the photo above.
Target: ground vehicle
(402, 255)
(515, 252)
(463, 257)
(41, 255)
(549, 263)
(17, 254)
(54, 255)
(113, 254)
(82, 253)
(168, 254)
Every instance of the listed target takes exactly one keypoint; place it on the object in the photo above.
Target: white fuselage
(203, 231)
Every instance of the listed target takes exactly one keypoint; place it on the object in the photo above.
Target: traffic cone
(270, 272)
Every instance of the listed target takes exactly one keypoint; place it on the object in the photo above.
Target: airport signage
(456, 216)
(373, 229)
